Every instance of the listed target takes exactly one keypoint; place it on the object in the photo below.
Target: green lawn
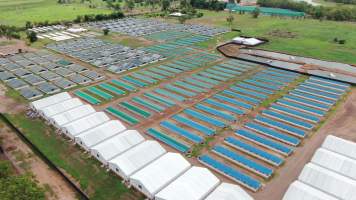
(309, 37)
(93, 179)
(17, 12)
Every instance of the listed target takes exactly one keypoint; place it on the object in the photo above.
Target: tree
(256, 12)
(165, 4)
(230, 19)
(106, 31)
(130, 4)
(28, 25)
(182, 19)
(31, 36)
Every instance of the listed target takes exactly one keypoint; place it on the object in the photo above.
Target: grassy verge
(93, 179)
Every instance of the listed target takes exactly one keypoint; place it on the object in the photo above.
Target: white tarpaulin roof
(98, 134)
(41, 103)
(340, 146)
(328, 181)
(72, 114)
(335, 162)
(247, 41)
(60, 107)
(194, 184)
(298, 190)
(227, 191)
(155, 176)
(118, 144)
(76, 127)
(330, 174)
(137, 157)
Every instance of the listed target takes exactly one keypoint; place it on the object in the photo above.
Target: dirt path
(27, 162)
(341, 123)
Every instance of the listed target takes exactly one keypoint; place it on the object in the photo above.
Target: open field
(17, 12)
(302, 37)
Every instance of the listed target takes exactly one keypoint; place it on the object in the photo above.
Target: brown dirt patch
(25, 161)
(12, 46)
(9, 105)
(282, 34)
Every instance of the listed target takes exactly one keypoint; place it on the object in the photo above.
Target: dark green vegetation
(93, 179)
(19, 187)
(317, 12)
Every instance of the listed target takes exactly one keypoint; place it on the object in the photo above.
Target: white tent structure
(328, 181)
(157, 175)
(298, 190)
(60, 107)
(335, 162)
(74, 128)
(330, 174)
(194, 184)
(136, 158)
(98, 134)
(227, 191)
(41, 103)
(71, 115)
(116, 145)
(340, 146)
(247, 41)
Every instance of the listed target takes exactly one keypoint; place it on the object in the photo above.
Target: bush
(200, 15)
(106, 31)
(31, 36)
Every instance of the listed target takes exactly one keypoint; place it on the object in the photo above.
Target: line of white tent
(330, 175)
(143, 164)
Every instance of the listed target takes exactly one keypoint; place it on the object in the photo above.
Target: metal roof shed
(42, 103)
(136, 158)
(48, 88)
(167, 168)
(75, 128)
(30, 93)
(71, 115)
(100, 133)
(298, 190)
(116, 145)
(64, 72)
(12, 66)
(17, 84)
(50, 76)
(194, 184)
(60, 107)
(34, 79)
(93, 75)
(22, 72)
(227, 191)
(6, 76)
(64, 83)
(80, 79)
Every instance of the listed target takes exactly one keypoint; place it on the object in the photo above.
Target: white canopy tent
(157, 175)
(329, 182)
(227, 191)
(74, 128)
(44, 102)
(136, 158)
(98, 134)
(335, 162)
(340, 146)
(60, 107)
(194, 184)
(247, 41)
(298, 190)
(71, 115)
(116, 145)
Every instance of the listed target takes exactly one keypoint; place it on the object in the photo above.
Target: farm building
(71, 115)
(229, 191)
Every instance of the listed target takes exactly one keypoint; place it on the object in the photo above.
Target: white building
(298, 190)
(60, 107)
(160, 173)
(71, 115)
(340, 146)
(227, 191)
(136, 158)
(76, 127)
(98, 134)
(41, 103)
(194, 184)
(118, 144)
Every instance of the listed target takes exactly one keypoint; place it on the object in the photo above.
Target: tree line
(343, 1)
(316, 12)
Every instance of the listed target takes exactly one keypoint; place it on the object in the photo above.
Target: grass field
(302, 37)
(17, 12)
(96, 182)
